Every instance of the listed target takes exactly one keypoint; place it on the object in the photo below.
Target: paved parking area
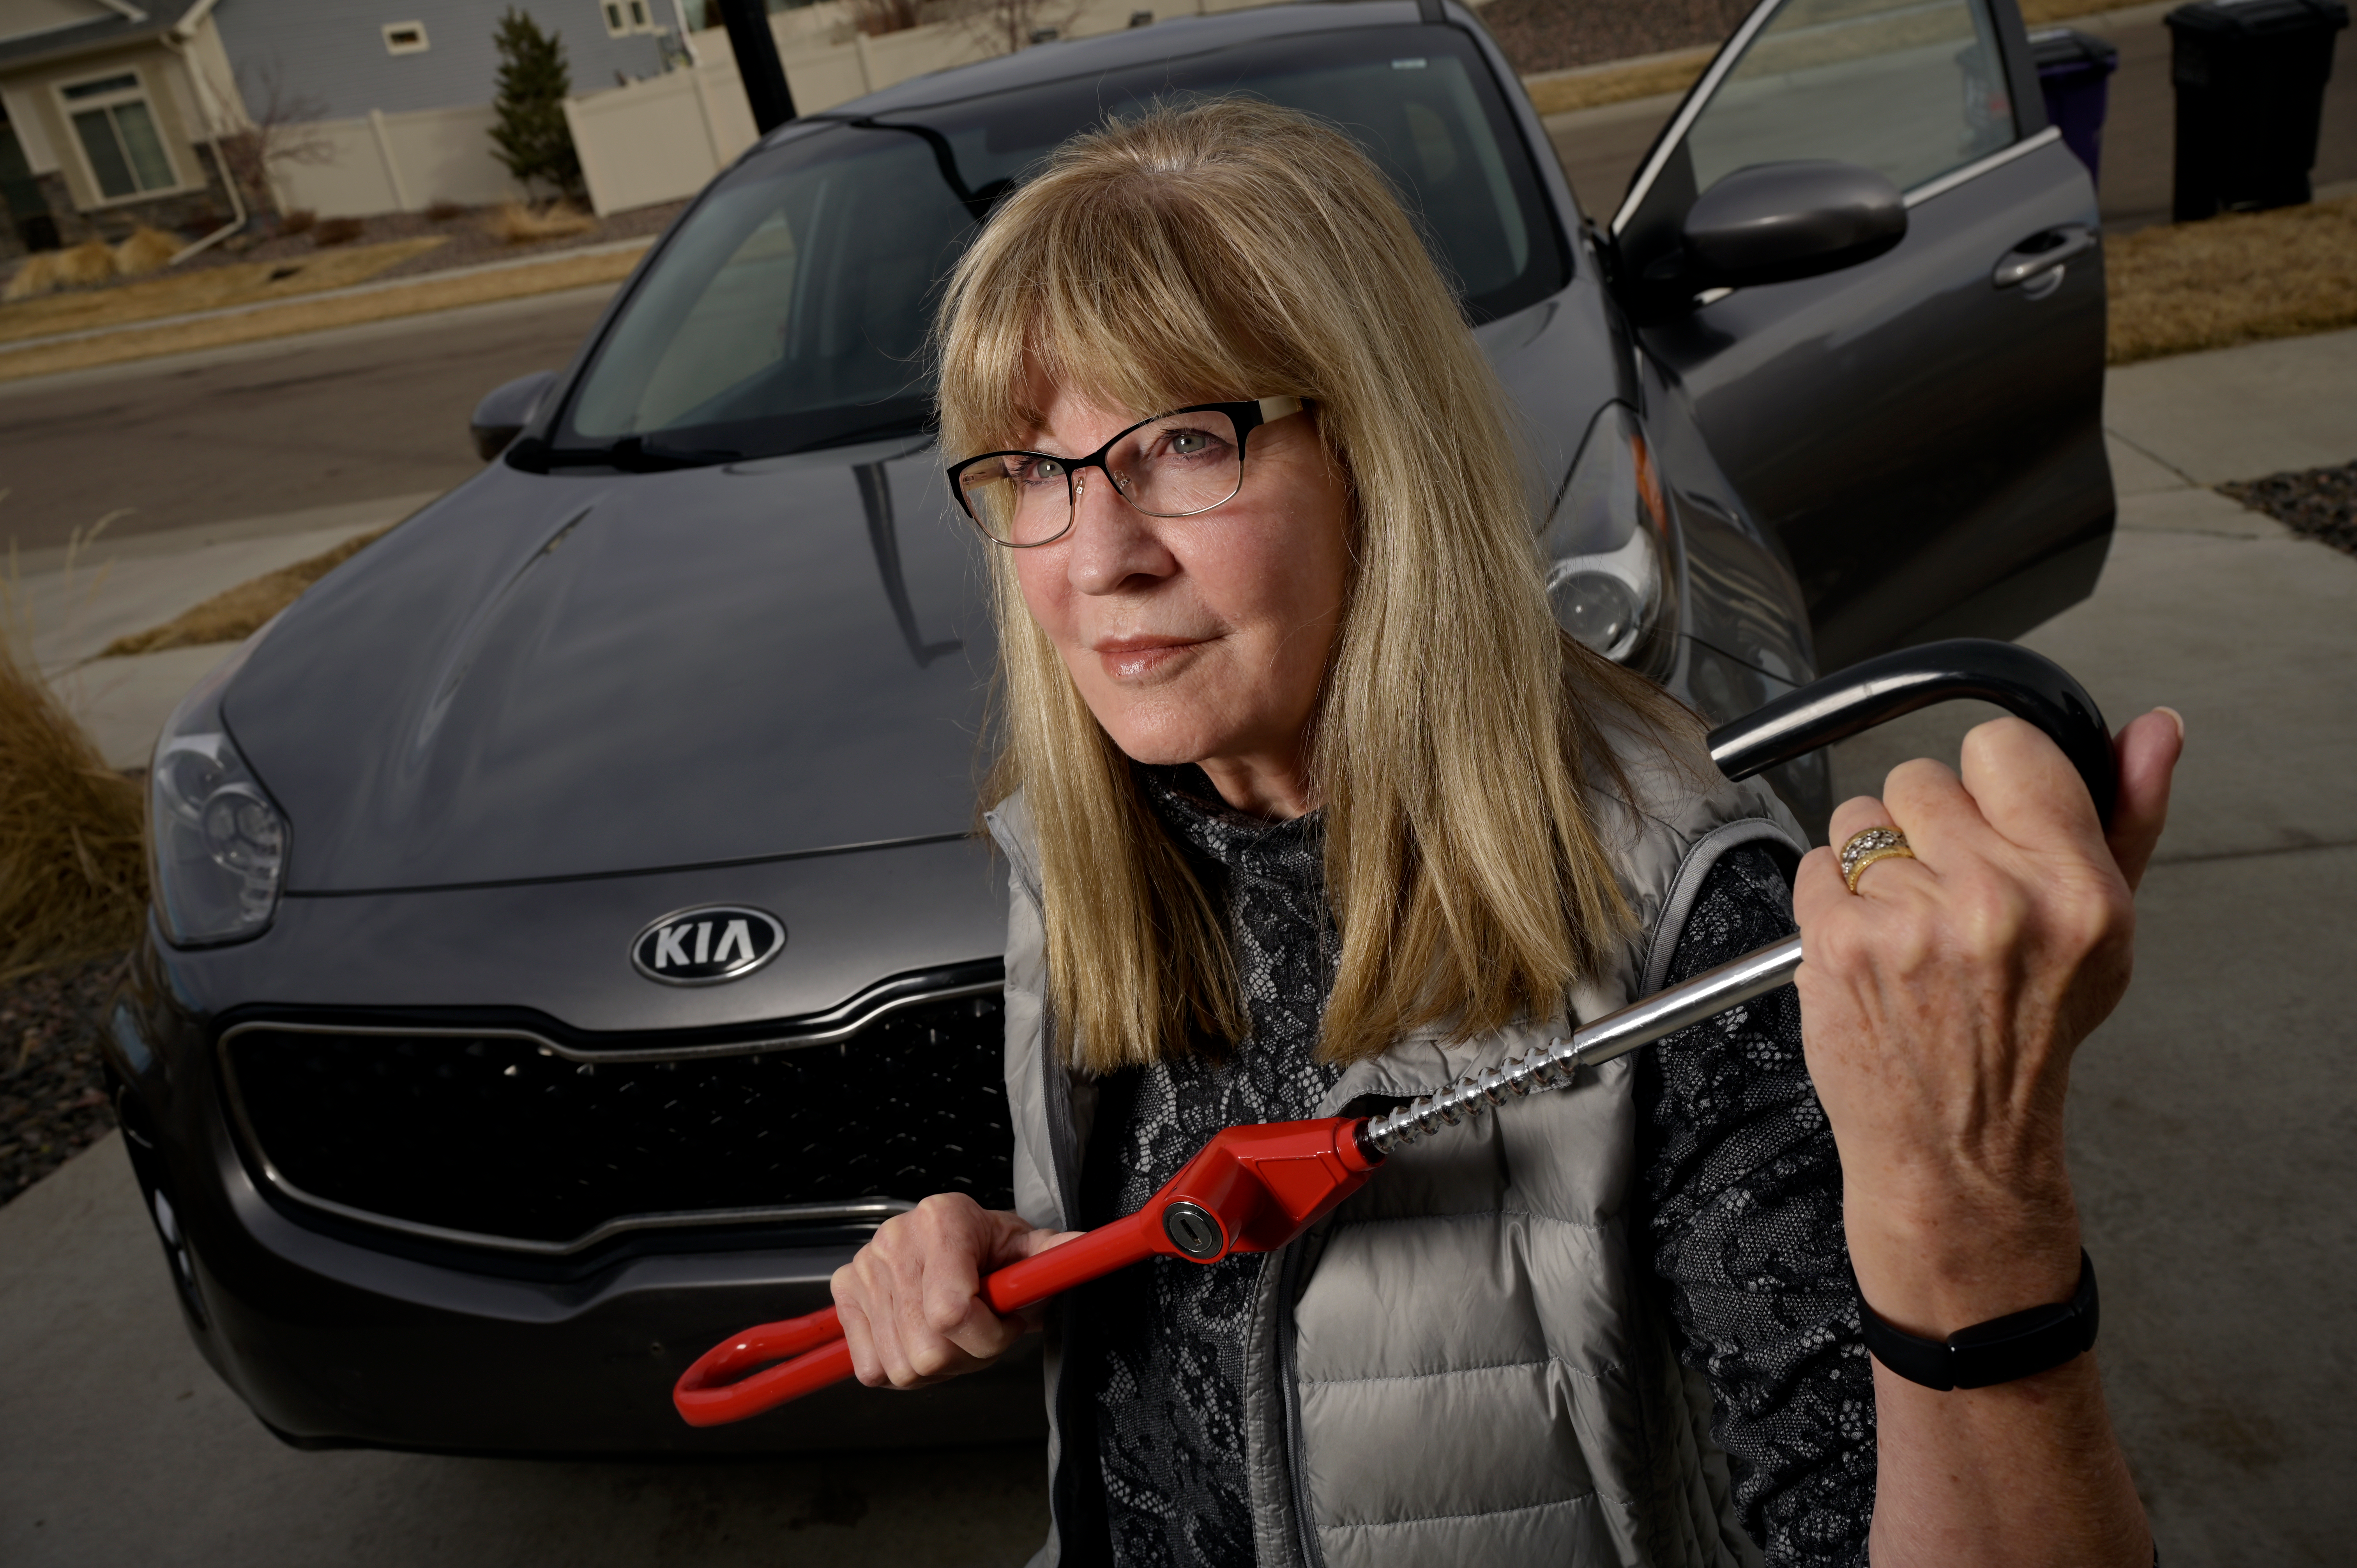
(2214, 1116)
(120, 1445)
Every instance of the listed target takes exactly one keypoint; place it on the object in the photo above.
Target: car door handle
(2041, 252)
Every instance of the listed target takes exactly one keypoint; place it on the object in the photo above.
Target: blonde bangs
(1091, 275)
(1236, 250)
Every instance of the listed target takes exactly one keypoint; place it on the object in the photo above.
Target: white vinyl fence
(397, 163)
(651, 141)
(661, 139)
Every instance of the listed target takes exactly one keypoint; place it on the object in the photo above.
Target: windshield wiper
(637, 454)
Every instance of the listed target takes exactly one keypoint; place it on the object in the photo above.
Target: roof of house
(33, 32)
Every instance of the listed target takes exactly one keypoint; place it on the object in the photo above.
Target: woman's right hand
(912, 1301)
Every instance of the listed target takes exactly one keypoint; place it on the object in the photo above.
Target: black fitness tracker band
(1997, 1351)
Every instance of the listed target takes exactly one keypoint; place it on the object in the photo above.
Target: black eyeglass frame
(1248, 416)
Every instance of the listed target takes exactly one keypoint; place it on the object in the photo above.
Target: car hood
(548, 676)
(543, 676)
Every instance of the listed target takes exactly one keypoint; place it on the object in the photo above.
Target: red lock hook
(1252, 1189)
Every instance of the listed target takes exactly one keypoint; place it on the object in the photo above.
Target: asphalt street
(268, 428)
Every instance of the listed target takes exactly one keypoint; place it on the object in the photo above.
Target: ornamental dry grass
(74, 875)
(145, 250)
(516, 225)
(2238, 278)
(45, 272)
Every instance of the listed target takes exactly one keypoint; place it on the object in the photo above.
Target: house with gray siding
(109, 116)
(394, 55)
(112, 112)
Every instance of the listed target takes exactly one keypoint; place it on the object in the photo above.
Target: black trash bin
(2074, 73)
(2250, 78)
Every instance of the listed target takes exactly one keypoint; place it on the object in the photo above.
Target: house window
(404, 38)
(624, 18)
(118, 135)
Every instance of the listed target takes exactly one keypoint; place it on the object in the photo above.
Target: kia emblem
(707, 946)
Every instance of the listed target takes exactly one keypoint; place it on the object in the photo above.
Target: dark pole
(756, 62)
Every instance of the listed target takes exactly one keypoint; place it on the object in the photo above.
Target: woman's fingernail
(2175, 718)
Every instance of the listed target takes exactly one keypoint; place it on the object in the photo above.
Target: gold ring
(1863, 849)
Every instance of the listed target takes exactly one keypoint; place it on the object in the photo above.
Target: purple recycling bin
(2074, 73)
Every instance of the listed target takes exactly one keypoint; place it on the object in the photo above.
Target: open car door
(1921, 428)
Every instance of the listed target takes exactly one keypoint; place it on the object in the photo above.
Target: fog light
(1599, 610)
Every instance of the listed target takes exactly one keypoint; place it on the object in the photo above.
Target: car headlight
(216, 841)
(1606, 544)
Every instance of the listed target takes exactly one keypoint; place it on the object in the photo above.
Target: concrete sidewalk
(2212, 1116)
(121, 1446)
(69, 606)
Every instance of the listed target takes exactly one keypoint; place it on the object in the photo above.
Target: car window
(1911, 89)
(1420, 101)
(791, 309)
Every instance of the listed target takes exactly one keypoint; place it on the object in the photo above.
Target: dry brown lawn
(428, 294)
(2046, 13)
(237, 614)
(2232, 279)
(514, 223)
(212, 288)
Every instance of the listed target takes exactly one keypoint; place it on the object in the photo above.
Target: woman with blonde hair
(1310, 806)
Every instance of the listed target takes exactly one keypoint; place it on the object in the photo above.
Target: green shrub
(531, 134)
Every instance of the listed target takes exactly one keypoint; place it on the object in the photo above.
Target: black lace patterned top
(1745, 1220)
(1744, 1225)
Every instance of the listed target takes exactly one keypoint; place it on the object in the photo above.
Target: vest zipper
(1296, 1464)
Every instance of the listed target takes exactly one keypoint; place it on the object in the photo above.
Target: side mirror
(1776, 222)
(501, 417)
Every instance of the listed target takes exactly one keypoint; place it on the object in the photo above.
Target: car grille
(503, 1138)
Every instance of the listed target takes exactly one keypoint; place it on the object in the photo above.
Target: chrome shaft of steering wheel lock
(1557, 1064)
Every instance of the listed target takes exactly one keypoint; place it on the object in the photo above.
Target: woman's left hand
(1942, 1001)
(1940, 1006)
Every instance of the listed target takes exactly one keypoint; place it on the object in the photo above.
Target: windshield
(790, 311)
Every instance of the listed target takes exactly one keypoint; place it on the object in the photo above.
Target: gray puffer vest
(1464, 1364)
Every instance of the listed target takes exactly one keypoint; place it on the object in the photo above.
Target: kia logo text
(706, 946)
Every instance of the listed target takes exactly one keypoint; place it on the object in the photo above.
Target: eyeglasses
(1174, 465)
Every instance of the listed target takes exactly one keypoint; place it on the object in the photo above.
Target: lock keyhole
(1193, 1231)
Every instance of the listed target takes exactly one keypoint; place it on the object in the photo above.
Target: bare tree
(281, 131)
(1006, 26)
(876, 17)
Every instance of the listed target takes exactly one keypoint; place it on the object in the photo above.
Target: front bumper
(339, 1333)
